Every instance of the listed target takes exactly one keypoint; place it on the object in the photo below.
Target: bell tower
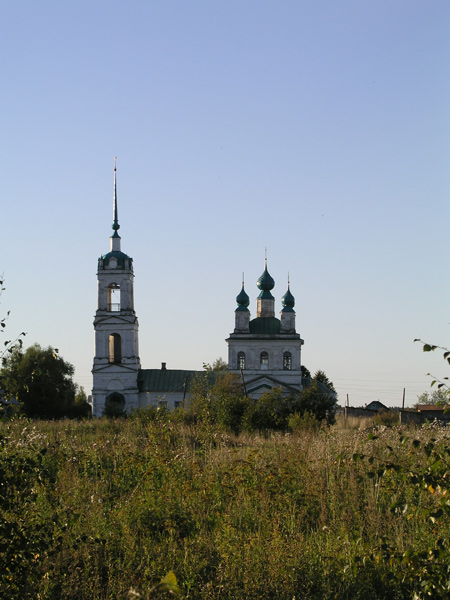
(116, 361)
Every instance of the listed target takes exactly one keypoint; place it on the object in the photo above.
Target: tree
(218, 365)
(271, 411)
(437, 396)
(229, 402)
(80, 407)
(40, 380)
(319, 402)
(321, 376)
(218, 397)
(306, 373)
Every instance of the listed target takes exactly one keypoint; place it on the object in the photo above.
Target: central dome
(266, 282)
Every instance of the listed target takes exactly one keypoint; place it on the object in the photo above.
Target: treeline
(38, 383)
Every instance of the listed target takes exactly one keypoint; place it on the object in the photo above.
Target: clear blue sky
(319, 130)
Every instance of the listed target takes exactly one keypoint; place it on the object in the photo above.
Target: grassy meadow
(91, 509)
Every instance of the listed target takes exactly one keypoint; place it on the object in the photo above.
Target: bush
(388, 418)
(305, 422)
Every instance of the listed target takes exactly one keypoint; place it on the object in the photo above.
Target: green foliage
(306, 373)
(149, 414)
(437, 397)
(271, 411)
(219, 399)
(40, 380)
(94, 508)
(322, 378)
(167, 584)
(303, 422)
(80, 408)
(319, 402)
(114, 409)
(416, 483)
(219, 365)
(9, 345)
(441, 384)
(229, 402)
(388, 418)
(26, 535)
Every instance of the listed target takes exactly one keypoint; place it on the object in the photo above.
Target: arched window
(287, 361)
(241, 360)
(115, 348)
(264, 358)
(113, 300)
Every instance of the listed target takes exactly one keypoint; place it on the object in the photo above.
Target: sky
(318, 130)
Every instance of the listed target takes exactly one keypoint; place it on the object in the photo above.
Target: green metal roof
(265, 325)
(165, 380)
(121, 257)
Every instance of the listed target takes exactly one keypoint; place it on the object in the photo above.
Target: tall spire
(115, 225)
(115, 238)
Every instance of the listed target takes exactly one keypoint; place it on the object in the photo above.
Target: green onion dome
(265, 283)
(288, 301)
(242, 299)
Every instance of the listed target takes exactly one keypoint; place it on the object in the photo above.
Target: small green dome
(242, 299)
(288, 301)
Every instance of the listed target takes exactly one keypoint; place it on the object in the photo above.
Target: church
(264, 351)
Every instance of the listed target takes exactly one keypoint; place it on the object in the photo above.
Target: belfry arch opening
(113, 298)
(287, 361)
(115, 348)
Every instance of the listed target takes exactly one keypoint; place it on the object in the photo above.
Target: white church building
(264, 351)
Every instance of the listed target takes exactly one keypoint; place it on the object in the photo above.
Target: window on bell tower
(264, 359)
(287, 361)
(113, 300)
(115, 348)
(241, 360)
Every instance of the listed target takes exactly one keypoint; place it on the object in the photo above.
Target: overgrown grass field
(92, 509)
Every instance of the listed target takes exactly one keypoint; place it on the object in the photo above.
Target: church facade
(264, 351)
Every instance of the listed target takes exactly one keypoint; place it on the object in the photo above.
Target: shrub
(388, 418)
(302, 422)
